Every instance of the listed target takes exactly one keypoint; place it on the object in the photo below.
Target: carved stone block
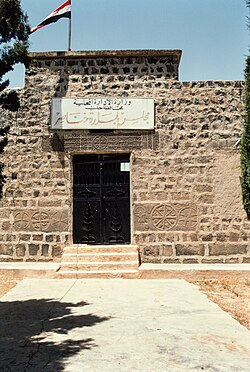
(42, 220)
(165, 217)
(129, 141)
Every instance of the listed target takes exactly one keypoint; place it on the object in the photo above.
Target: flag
(63, 11)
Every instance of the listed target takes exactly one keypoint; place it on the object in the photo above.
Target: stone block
(37, 237)
(33, 249)
(232, 260)
(49, 238)
(171, 260)
(10, 259)
(150, 259)
(203, 188)
(221, 237)
(166, 250)
(218, 249)
(6, 250)
(56, 251)
(211, 260)
(194, 237)
(20, 250)
(45, 249)
(49, 203)
(207, 238)
(25, 237)
(190, 261)
(206, 199)
(186, 249)
(233, 237)
(151, 251)
(5, 225)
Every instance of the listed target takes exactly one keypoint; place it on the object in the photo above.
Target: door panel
(101, 209)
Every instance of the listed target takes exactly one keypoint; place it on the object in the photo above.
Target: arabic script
(105, 113)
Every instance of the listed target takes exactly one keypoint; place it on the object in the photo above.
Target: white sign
(125, 167)
(102, 113)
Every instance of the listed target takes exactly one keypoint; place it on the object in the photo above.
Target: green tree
(14, 35)
(245, 140)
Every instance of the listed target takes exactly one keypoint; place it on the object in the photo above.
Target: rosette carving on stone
(60, 220)
(21, 220)
(164, 217)
(40, 221)
(188, 217)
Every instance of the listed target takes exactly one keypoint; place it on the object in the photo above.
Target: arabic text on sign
(104, 113)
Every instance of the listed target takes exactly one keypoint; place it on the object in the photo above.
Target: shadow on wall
(61, 87)
(57, 141)
(34, 334)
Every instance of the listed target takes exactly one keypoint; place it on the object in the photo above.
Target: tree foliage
(245, 144)
(245, 140)
(14, 36)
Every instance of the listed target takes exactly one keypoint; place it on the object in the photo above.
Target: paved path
(117, 325)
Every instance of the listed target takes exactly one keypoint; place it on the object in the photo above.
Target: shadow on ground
(34, 334)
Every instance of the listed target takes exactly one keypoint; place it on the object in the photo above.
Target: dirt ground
(6, 285)
(231, 294)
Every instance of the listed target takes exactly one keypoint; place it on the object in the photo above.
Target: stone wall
(189, 209)
(186, 199)
(34, 214)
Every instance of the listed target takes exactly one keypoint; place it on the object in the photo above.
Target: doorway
(101, 199)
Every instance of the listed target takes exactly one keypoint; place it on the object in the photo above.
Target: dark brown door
(101, 208)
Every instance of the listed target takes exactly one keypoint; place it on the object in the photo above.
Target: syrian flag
(63, 11)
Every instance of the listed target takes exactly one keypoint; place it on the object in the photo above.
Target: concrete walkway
(117, 325)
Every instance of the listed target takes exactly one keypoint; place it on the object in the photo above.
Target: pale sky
(212, 34)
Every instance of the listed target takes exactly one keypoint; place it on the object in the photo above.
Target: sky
(212, 34)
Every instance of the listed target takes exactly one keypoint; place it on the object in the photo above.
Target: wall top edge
(107, 54)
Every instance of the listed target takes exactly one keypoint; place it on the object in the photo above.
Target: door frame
(131, 219)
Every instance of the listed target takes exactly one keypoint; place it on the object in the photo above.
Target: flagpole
(69, 45)
(70, 25)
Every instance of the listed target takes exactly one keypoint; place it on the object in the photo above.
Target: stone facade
(185, 175)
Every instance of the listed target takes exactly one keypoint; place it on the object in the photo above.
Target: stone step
(99, 266)
(99, 261)
(83, 248)
(100, 257)
(100, 274)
